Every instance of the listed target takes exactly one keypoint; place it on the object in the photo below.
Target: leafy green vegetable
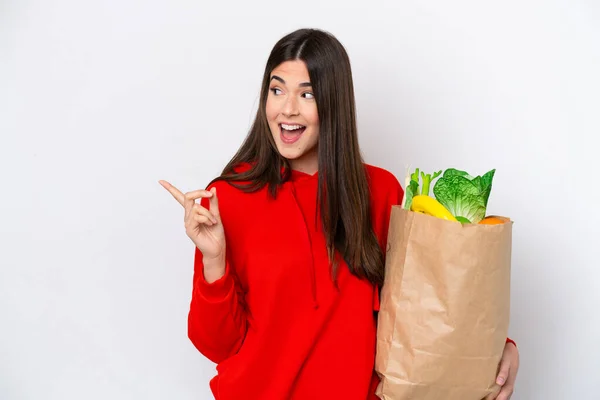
(486, 185)
(427, 178)
(453, 171)
(463, 195)
(411, 191)
(415, 177)
(413, 187)
(483, 183)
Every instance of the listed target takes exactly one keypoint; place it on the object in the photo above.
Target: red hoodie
(275, 323)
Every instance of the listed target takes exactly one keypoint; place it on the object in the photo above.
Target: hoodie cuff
(218, 290)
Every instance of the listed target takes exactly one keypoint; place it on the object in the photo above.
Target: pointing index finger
(176, 193)
(188, 199)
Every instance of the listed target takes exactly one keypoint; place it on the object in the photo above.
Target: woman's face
(292, 115)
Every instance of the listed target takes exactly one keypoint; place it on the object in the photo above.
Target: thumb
(494, 393)
(503, 374)
(214, 202)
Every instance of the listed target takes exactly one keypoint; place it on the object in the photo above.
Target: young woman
(290, 241)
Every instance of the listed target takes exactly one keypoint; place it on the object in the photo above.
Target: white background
(100, 100)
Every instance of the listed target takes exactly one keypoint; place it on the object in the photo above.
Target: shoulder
(385, 193)
(384, 187)
(381, 180)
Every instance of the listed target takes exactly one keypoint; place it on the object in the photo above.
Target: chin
(290, 154)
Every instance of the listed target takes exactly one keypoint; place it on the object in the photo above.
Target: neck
(309, 164)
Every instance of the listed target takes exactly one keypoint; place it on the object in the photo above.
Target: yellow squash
(430, 206)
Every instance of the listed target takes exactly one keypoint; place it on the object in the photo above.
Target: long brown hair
(343, 191)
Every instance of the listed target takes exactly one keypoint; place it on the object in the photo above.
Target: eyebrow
(303, 84)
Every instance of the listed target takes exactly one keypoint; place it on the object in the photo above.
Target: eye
(308, 95)
(276, 91)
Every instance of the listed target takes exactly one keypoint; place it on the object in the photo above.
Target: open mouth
(291, 133)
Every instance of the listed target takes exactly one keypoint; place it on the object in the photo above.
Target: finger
(214, 202)
(197, 194)
(203, 219)
(509, 386)
(504, 372)
(176, 193)
(493, 395)
(505, 393)
(199, 210)
(191, 197)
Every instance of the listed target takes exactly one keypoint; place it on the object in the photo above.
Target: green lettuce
(466, 197)
(483, 183)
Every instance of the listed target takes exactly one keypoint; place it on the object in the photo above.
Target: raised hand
(203, 226)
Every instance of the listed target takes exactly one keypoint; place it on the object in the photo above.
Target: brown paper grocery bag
(444, 312)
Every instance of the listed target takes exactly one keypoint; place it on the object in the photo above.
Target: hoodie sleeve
(217, 317)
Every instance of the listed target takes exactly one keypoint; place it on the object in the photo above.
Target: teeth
(291, 127)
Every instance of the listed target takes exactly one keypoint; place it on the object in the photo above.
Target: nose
(290, 107)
